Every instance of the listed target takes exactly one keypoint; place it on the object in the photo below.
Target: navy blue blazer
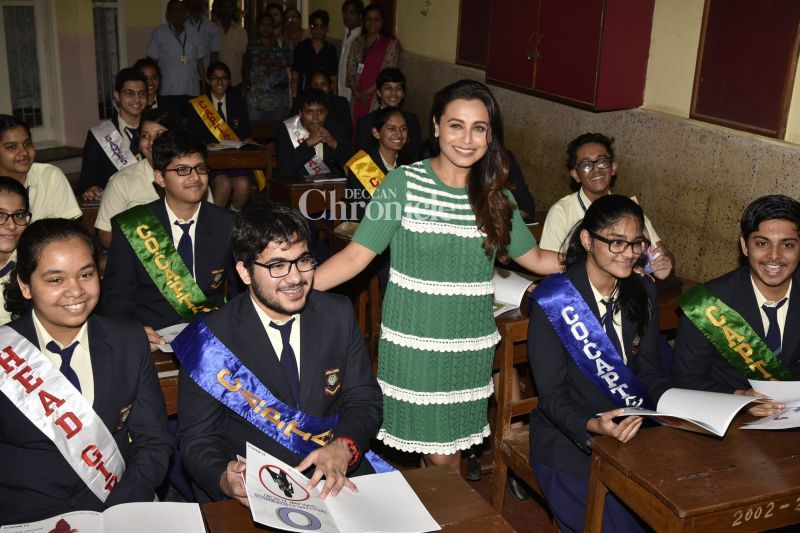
(37, 482)
(699, 366)
(291, 160)
(338, 112)
(96, 167)
(128, 291)
(211, 435)
(413, 150)
(236, 117)
(567, 398)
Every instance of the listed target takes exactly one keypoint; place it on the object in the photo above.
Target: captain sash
(366, 171)
(219, 372)
(731, 335)
(116, 149)
(298, 134)
(54, 405)
(587, 343)
(153, 246)
(220, 129)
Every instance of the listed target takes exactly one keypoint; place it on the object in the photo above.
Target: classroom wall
(140, 17)
(76, 56)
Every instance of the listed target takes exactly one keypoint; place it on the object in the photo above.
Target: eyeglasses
(280, 269)
(20, 218)
(219, 78)
(129, 93)
(617, 246)
(603, 163)
(186, 170)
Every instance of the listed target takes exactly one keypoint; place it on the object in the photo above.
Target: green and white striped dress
(438, 333)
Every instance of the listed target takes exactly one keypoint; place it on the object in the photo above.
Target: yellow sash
(220, 129)
(368, 173)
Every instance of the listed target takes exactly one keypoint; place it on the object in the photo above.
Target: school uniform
(330, 344)
(291, 160)
(413, 149)
(128, 290)
(96, 167)
(560, 453)
(699, 366)
(338, 111)
(37, 482)
(235, 115)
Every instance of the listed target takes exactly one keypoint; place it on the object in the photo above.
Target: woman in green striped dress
(445, 220)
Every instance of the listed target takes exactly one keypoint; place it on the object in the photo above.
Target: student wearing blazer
(114, 369)
(603, 251)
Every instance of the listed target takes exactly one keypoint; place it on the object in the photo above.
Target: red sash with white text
(55, 406)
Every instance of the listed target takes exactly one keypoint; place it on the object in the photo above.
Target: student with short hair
(338, 107)
(222, 115)
(14, 218)
(591, 164)
(170, 259)
(390, 90)
(49, 191)
(618, 313)
(759, 301)
(307, 143)
(106, 443)
(114, 144)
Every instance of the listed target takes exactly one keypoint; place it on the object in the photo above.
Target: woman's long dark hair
(604, 212)
(29, 250)
(487, 178)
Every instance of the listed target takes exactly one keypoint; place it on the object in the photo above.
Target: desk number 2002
(762, 511)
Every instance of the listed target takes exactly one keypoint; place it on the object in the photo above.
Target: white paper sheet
(169, 333)
(509, 289)
(779, 391)
(279, 498)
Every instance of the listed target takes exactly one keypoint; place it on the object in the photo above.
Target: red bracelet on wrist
(353, 448)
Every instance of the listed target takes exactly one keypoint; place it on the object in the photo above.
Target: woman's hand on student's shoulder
(623, 431)
(763, 408)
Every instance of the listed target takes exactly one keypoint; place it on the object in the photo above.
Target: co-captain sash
(366, 171)
(587, 343)
(220, 129)
(731, 335)
(297, 134)
(153, 246)
(110, 140)
(52, 404)
(219, 372)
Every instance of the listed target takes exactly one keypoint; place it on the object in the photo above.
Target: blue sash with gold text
(219, 372)
(587, 343)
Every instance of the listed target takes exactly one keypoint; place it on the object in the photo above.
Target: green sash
(153, 246)
(732, 336)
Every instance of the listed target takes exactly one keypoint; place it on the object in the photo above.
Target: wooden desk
(167, 368)
(222, 159)
(451, 501)
(682, 481)
(317, 197)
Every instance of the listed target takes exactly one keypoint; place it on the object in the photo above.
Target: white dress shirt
(177, 232)
(275, 336)
(81, 361)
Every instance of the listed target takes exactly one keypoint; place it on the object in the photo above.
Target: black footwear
(473, 468)
(517, 488)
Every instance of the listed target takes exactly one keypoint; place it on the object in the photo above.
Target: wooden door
(512, 37)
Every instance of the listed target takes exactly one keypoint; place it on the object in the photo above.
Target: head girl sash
(219, 372)
(587, 343)
(154, 248)
(731, 335)
(52, 404)
(220, 129)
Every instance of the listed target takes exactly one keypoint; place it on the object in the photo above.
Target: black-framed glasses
(183, 170)
(129, 93)
(280, 269)
(587, 166)
(617, 246)
(20, 218)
